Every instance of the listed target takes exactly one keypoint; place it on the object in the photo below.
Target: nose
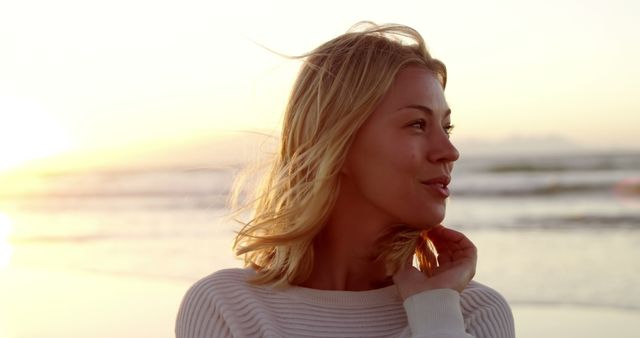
(442, 150)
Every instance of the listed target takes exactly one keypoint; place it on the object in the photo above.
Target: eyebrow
(425, 109)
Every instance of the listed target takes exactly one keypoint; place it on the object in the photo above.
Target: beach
(574, 321)
(50, 303)
(103, 254)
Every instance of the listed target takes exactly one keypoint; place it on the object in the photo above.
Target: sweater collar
(386, 295)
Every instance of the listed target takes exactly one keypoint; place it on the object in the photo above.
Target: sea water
(549, 229)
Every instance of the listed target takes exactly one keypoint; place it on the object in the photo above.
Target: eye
(448, 129)
(419, 124)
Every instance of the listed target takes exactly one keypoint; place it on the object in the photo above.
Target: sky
(84, 76)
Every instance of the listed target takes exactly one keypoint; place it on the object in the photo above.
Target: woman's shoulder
(203, 304)
(222, 304)
(232, 275)
(486, 311)
(477, 296)
(222, 282)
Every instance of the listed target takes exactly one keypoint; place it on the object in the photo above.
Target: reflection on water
(5, 247)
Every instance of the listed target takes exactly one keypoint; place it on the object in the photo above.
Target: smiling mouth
(438, 186)
(438, 189)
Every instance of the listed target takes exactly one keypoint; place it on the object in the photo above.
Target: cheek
(382, 170)
(396, 176)
(406, 160)
(399, 162)
(388, 176)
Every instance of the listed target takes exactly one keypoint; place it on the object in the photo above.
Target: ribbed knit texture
(225, 305)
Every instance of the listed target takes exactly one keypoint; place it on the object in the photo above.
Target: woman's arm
(433, 303)
(457, 258)
(435, 314)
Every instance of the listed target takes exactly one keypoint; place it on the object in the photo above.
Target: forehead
(415, 86)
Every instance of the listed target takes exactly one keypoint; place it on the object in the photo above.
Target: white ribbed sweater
(223, 304)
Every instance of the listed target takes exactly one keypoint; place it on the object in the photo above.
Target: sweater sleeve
(198, 316)
(435, 314)
(487, 313)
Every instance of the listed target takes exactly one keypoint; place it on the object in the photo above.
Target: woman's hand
(457, 257)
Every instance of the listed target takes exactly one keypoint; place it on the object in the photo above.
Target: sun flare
(28, 132)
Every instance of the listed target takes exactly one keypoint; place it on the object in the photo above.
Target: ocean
(549, 229)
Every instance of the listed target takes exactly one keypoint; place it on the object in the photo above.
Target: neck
(346, 250)
(340, 266)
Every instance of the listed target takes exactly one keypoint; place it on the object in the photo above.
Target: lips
(438, 185)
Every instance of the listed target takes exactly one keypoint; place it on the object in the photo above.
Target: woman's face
(401, 160)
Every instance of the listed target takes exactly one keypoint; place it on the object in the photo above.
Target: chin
(429, 221)
(426, 223)
(430, 225)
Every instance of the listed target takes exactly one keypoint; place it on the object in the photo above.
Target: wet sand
(41, 303)
(572, 321)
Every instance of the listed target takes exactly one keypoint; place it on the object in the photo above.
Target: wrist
(435, 310)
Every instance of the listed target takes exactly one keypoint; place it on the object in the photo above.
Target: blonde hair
(339, 85)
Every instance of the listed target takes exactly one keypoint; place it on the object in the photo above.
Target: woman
(358, 188)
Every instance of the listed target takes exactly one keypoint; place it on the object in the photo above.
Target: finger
(452, 256)
(444, 238)
(450, 252)
(444, 257)
(407, 274)
(440, 232)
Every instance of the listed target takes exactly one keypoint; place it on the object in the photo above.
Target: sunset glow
(5, 248)
(170, 70)
(124, 125)
(27, 133)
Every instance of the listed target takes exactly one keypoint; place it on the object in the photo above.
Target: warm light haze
(81, 76)
(125, 123)
(5, 248)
